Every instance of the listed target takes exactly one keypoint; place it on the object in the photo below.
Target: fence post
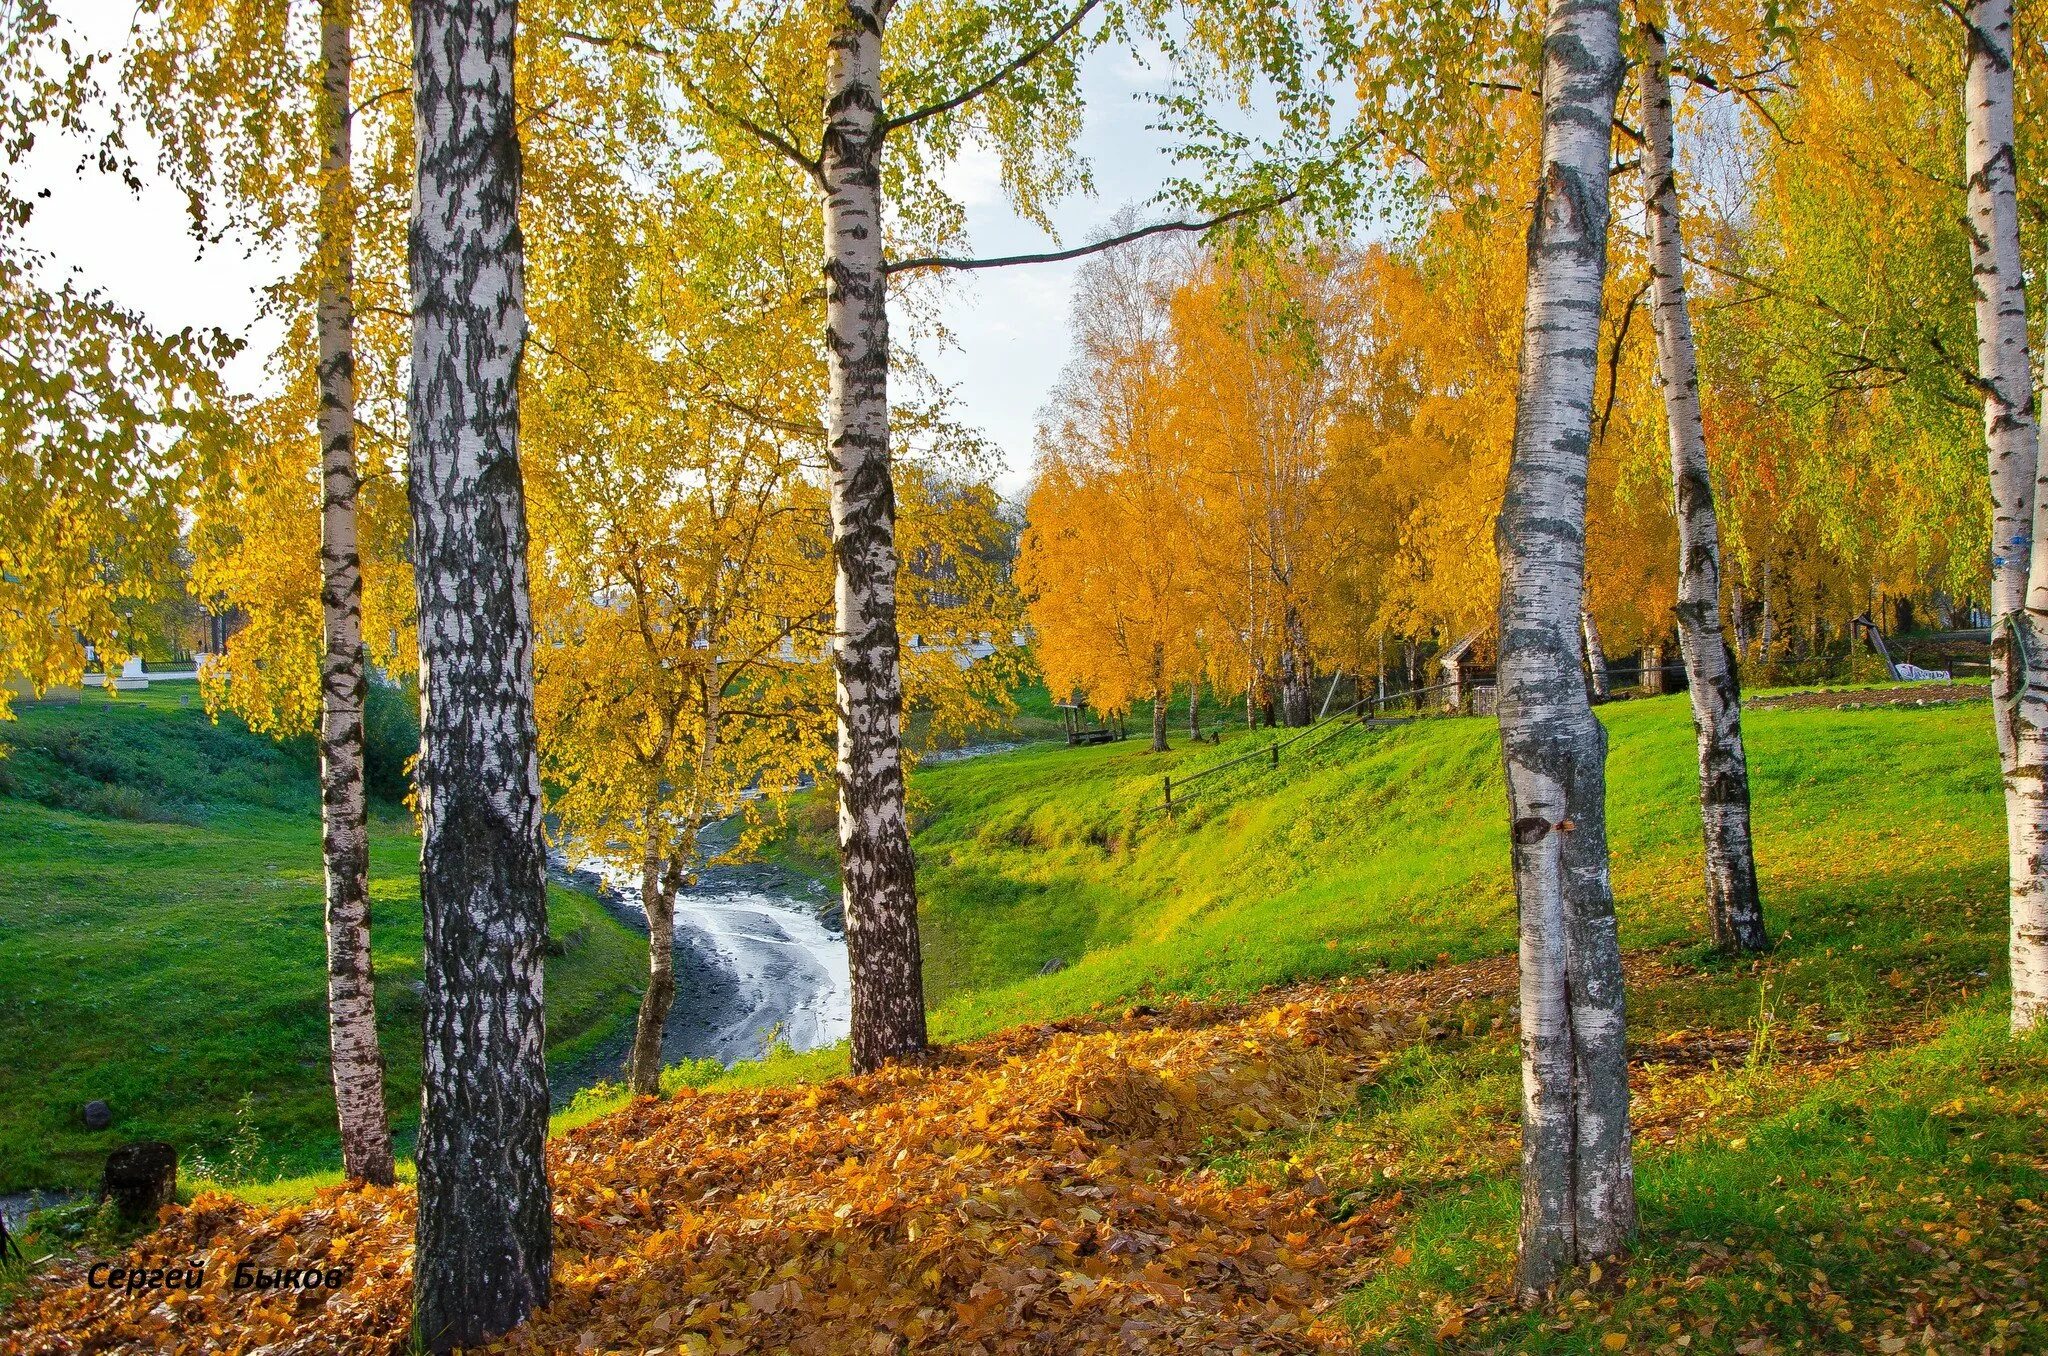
(1274, 748)
(1169, 795)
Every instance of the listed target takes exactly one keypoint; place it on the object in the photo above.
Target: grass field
(161, 945)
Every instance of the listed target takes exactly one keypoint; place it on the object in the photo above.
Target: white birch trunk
(483, 1257)
(1297, 670)
(876, 865)
(358, 1062)
(1596, 656)
(2019, 546)
(1766, 636)
(1735, 915)
(1578, 1180)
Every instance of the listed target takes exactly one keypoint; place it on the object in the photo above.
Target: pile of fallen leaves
(1044, 1190)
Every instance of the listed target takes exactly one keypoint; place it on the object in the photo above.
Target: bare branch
(997, 77)
(1099, 246)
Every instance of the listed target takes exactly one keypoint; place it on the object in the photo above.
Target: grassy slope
(1384, 848)
(161, 944)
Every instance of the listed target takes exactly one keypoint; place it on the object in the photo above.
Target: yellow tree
(102, 417)
(679, 587)
(1266, 341)
(1106, 559)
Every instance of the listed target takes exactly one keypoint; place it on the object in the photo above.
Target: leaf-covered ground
(1325, 1167)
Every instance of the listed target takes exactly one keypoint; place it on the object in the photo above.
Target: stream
(757, 960)
(756, 963)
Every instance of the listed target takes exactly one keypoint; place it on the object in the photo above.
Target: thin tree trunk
(658, 904)
(1195, 708)
(1735, 915)
(358, 1062)
(1297, 671)
(1596, 656)
(1578, 1181)
(874, 835)
(483, 1256)
(2019, 545)
(1765, 635)
(661, 876)
(1651, 677)
(1160, 696)
(1738, 617)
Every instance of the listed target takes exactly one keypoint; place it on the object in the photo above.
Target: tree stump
(141, 1179)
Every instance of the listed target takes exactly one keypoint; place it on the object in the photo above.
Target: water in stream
(756, 964)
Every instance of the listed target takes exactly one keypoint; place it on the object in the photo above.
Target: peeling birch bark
(1735, 916)
(357, 1059)
(876, 865)
(1578, 1178)
(483, 1256)
(1297, 671)
(2019, 544)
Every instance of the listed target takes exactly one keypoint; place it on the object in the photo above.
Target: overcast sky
(1009, 326)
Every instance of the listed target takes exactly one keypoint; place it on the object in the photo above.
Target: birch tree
(874, 834)
(901, 95)
(266, 150)
(681, 608)
(2019, 547)
(1578, 1178)
(483, 1254)
(358, 1064)
(1734, 910)
(1106, 560)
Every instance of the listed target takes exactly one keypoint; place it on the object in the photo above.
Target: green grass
(1868, 1163)
(161, 944)
(1385, 849)
(1875, 1154)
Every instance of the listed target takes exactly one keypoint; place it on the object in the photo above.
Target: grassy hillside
(1384, 848)
(161, 945)
(1838, 1147)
